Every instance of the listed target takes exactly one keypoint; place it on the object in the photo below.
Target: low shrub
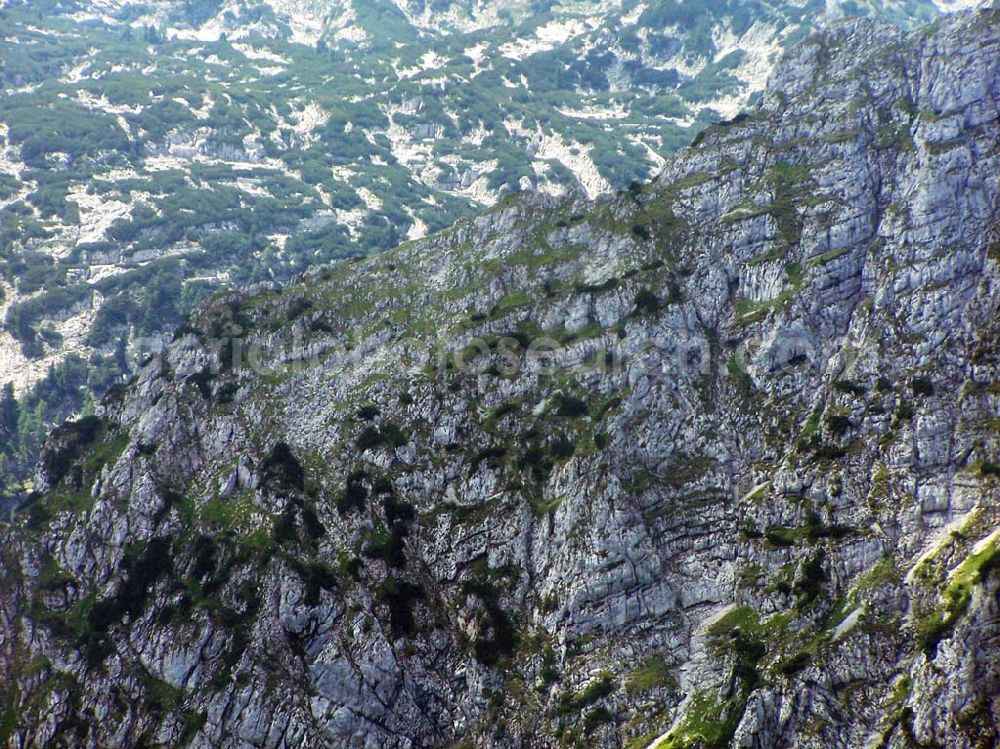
(283, 468)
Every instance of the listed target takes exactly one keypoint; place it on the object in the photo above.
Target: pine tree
(89, 407)
(8, 417)
(31, 428)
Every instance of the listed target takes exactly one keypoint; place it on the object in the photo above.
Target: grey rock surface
(750, 498)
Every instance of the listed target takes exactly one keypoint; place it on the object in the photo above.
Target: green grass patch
(574, 701)
(708, 724)
(652, 673)
(740, 377)
(957, 593)
(541, 507)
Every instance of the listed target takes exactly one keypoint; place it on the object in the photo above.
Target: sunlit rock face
(710, 462)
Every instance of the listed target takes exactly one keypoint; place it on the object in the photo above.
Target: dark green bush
(838, 424)
(562, 448)
(504, 409)
(368, 438)
(203, 381)
(382, 485)
(780, 536)
(498, 637)
(573, 702)
(646, 303)
(398, 511)
(297, 308)
(285, 529)
(140, 574)
(922, 386)
(281, 467)
(400, 596)
(988, 468)
(353, 497)
(570, 406)
(204, 558)
(795, 663)
(849, 387)
(317, 577)
(66, 444)
(829, 452)
(388, 545)
(389, 435)
(811, 580)
(493, 456)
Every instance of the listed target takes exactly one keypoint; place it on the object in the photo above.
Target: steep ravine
(750, 497)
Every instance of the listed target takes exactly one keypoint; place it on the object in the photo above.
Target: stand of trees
(68, 388)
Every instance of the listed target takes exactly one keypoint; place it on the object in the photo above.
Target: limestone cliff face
(750, 496)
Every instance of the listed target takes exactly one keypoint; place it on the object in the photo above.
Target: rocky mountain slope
(151, 153)
(710, 463)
